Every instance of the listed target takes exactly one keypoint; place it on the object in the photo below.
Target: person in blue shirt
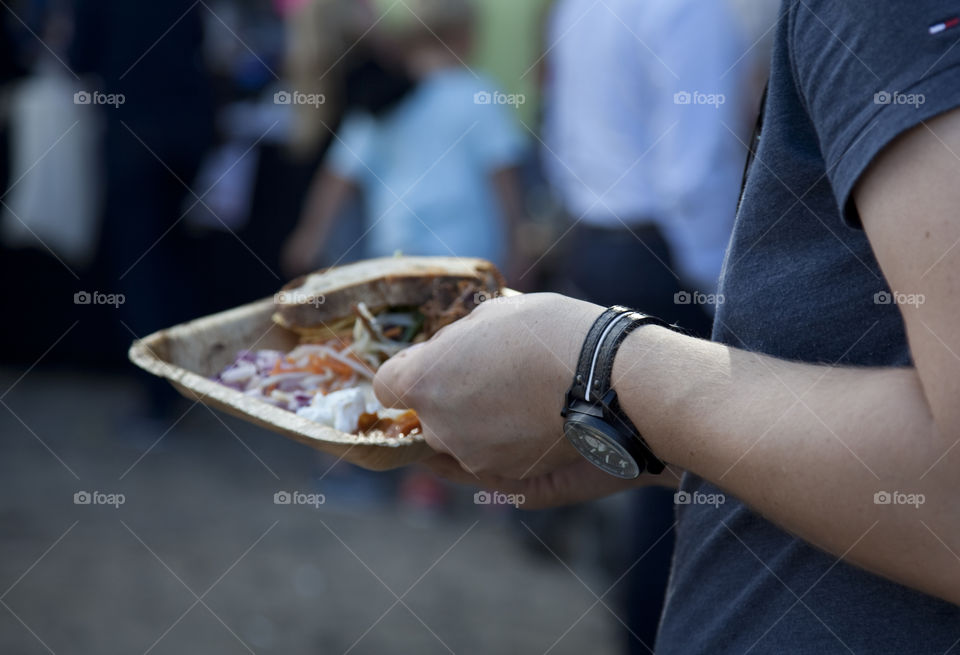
(436, 171)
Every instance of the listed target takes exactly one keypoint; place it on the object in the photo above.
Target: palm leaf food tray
(190, 355)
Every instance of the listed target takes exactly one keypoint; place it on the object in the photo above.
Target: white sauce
(341, 409)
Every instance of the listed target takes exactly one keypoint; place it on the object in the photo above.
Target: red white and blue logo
(944, 25)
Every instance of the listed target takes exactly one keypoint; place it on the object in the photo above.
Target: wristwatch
(595, 424)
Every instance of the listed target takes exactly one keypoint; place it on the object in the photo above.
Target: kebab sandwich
(348, 321)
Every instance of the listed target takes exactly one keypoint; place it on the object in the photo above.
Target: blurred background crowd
(187, 156)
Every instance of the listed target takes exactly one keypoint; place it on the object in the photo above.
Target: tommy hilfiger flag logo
(942, 26)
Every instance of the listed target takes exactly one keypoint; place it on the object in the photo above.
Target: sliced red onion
(239, 373)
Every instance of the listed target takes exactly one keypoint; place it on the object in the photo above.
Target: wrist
(637, 374)
(595, 422)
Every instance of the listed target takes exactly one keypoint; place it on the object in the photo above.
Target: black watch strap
(579, 389)
(592, 381)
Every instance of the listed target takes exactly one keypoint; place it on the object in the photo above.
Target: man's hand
(808, 446)
(489, 388)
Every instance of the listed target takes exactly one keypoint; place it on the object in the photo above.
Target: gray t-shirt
(800, 283)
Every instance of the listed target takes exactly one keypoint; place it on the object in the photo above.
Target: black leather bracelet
(592, 385)
(604, 322)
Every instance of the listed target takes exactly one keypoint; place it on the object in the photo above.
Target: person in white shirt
(647, 108)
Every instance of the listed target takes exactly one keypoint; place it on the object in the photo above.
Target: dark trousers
(629, 266)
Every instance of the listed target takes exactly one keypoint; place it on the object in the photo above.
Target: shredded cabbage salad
(328, 377)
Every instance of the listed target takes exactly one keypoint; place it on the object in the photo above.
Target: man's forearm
(808, 446)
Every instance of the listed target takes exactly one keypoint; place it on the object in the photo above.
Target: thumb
(396, 378)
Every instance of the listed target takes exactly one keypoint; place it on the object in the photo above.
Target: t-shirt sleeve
(496, 138)
(351, 152)
(868, 71)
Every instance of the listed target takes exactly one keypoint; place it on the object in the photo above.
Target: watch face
(599, 443)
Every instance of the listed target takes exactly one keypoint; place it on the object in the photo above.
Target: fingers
(575, 483)
(447, 467)
(402, 375)
(386, 384)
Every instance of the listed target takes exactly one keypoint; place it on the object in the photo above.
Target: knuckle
(480, 309)
(412, 384)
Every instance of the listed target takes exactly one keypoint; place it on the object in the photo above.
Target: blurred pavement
(199, 559)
